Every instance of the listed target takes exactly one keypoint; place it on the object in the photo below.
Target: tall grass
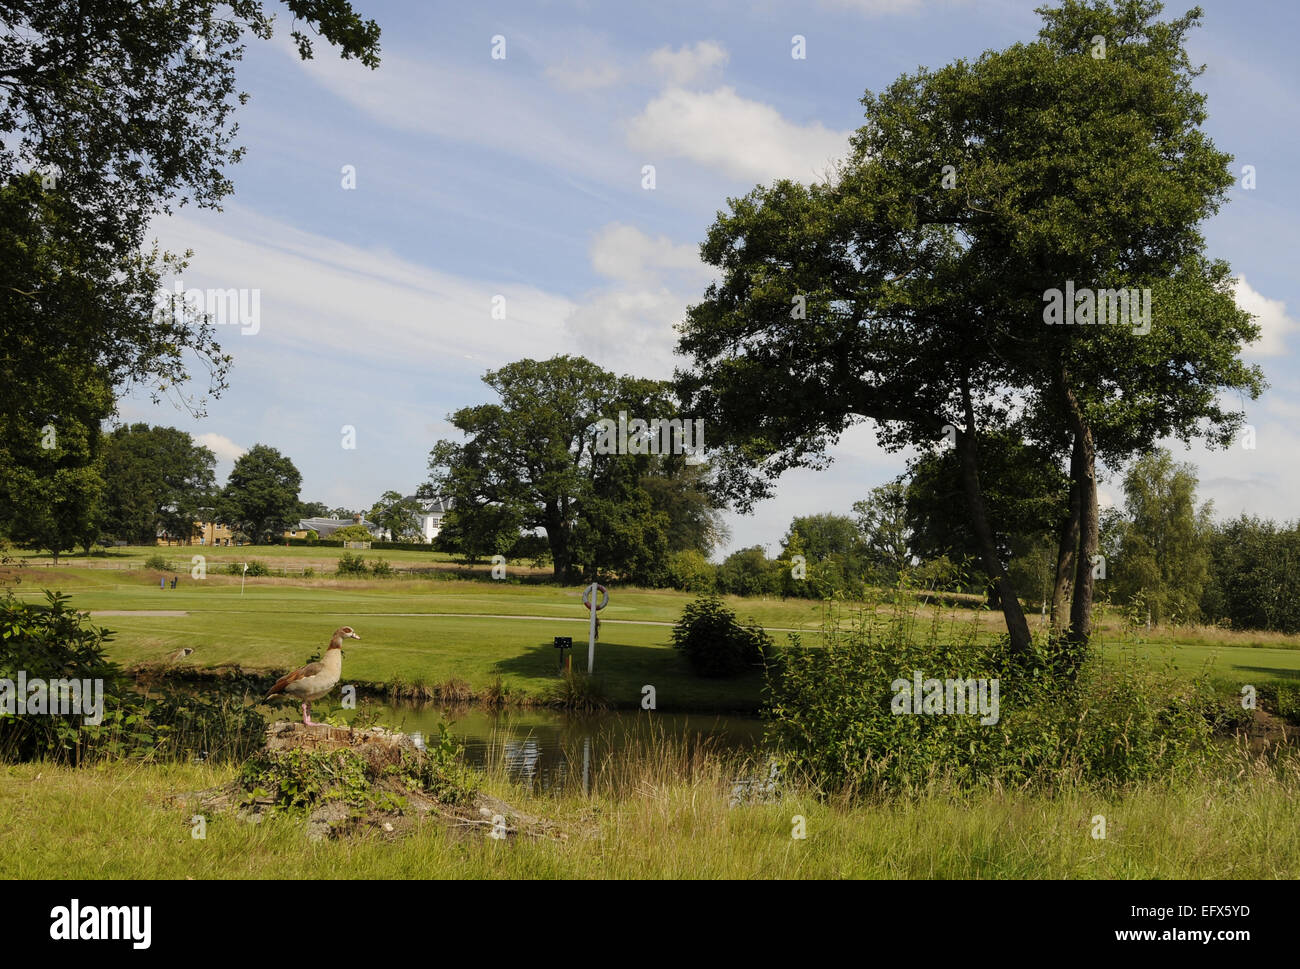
(665, 810)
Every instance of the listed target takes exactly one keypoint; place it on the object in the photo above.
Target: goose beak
(353, 636)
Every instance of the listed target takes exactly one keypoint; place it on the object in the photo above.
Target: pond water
(547, 749)
(543, 748)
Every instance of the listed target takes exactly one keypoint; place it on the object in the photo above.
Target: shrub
(690, 571)
(308, 572)
(381, 568)
(256, 569)
(835, 716)
(312, 536)
(159, 563)
(715, 643)
(352, 533)
(351, 563)
(402, 546)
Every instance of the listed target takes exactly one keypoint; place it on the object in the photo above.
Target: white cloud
(1271, 316)
(223, 447)
(690, 63)
(625, 253)
(746, 139)
(319, 295)
(628, 326)
(505, 112)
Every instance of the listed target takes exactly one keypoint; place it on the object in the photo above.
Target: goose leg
(306, 715)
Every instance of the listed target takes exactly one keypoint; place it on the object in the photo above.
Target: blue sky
(522, 177)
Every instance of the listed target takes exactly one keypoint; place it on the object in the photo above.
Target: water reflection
(548, 749)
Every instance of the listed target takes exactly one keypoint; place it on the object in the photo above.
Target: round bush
(715, 642)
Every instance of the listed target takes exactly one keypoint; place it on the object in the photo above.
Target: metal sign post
(591, 634)
(564, 644)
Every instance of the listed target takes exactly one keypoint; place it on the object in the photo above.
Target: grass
(497, 637)
(654, 812)
(674, 820)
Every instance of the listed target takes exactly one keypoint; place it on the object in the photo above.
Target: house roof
(431, 506)
(323, 526)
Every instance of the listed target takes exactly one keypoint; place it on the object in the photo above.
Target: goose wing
(311, 669)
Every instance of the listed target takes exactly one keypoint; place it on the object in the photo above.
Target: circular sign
(586, 597)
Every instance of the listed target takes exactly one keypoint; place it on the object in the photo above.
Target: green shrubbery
(51, 642)
(832, 713)
(715, 642)
(256, 569)
(352, 533)
(352, 564)
(159, 563)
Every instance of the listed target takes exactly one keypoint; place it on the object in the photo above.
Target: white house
(430, 519)
(431, 515)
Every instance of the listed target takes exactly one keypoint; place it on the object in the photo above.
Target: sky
(381, 216)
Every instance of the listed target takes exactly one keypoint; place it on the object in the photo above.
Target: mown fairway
(424, 631)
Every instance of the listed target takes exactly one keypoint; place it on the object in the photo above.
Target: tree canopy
(260, 498)
(909, 288)
(538, 460)
(156, 480)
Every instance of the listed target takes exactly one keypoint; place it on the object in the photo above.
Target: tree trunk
(557, 537)
(1017, 624)
(1068, 547)
(1089, 526)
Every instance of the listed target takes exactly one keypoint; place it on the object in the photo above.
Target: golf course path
(150, 613)
(583, 620)
(138, 612)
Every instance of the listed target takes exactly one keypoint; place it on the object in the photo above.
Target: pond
(547, 749)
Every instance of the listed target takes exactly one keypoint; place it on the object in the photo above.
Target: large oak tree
(908, 288)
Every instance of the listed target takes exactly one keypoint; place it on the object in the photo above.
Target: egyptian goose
(313, 681)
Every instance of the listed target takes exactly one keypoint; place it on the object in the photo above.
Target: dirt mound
(1267, 730)
(347, 781)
